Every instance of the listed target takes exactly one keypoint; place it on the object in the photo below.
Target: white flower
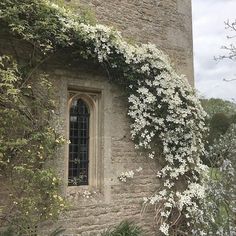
(126, 175)
(145, 200)
(139, 169)
(151, 155)
(164, 228)
(87, 194)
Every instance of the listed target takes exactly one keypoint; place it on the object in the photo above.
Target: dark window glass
(79, 143)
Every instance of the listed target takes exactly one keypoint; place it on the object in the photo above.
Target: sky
(209, 35)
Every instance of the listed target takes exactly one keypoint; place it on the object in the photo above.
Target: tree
(221, 114)
(220, 209)
(217, 105)
(220, 157)
(230, 49)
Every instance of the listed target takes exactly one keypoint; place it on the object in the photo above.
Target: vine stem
(34, 69)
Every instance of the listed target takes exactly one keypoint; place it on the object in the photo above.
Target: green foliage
(11, 232)
(221, 212)
(60, 3)
(24, 21)
(125, 228)
(85, 12)
(219, 124)
(27, 143)
(221, 114)
(217, 105)
(8, 232)
(233, 119)
(40, 24)
(221, 158)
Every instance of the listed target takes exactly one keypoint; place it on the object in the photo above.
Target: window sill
(83, 195)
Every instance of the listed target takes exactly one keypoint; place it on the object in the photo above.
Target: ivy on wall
(167, 120)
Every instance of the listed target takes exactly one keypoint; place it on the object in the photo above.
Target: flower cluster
(129, 174)
(126, 175)
(166, 116)
(87, 194)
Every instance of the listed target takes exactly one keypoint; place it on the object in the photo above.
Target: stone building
(98, 198)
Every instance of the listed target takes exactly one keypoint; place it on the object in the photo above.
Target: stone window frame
(93, 101)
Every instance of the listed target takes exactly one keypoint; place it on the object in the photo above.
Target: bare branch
(228, 80)
(231, 48)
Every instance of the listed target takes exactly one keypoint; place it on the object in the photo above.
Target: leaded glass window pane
(79, 143)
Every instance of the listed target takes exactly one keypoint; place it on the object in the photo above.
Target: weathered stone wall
(112, 201)
(166, 23)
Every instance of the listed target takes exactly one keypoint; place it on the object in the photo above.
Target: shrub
(125, 228)
(217, 105)
(219, 124)
(28, 141)
(220, 212)
(7, 232)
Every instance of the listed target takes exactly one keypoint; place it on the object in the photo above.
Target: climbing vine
(27, 142)
(167, 120)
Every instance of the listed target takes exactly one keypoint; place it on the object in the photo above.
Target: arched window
(79, 143)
